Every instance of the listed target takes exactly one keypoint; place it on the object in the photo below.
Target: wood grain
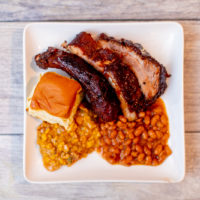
(13, 185)
(191, 75)
(11, 80)
(28, 10)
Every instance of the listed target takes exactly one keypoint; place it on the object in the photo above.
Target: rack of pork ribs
(116, 75)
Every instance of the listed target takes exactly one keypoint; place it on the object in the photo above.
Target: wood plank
(28, 10)
(13, 185)
(191, 75)
(11, 78)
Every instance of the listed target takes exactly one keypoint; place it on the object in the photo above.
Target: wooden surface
(21, 10)
(14, 16)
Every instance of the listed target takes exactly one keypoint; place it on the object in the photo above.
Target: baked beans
(143, 141)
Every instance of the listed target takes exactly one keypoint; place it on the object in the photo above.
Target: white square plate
(164, 41)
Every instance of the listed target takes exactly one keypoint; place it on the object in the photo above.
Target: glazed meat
(99, 93)
(120, 76)
(150, 73)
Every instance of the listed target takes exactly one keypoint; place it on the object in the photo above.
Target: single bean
(149, 145)
(111, 123)
(130, 134)
(119, 124)
(136, 140)
(133, 147)
(165, 137)
(159, 124)
(111, 160)
(164, 119)
(140, 157)
(162, 156)
(128, 159)
(164, 129)
(131, 124)
(127, 151)
(139, 130)
(113, 134)
(147, 120)
(167, 150)
(138, 148)
(158, 149)
(138, 120)
(113, 127)
(127, 142)
(148, 160)
(154, 120)
(152, 134)
(154, 162)
(157, 110)
(145, 135)
(122, 119)
(121, 135)
(159, 134)
(141, 114)
(147, 150)
(155, 128)
(123, 162)
(134, 153)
